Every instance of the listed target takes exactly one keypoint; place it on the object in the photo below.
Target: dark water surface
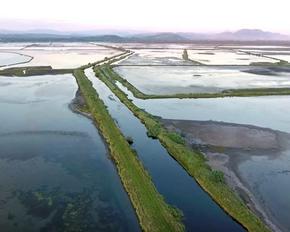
(55, 171)
(201, 213)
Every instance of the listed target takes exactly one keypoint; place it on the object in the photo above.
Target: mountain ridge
(165, 37)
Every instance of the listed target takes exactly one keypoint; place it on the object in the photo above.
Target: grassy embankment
(192, 161)
(153, 212)
(33, 71)
(226, 93)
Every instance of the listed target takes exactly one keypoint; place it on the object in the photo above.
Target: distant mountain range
(119, 36)
(250, 34)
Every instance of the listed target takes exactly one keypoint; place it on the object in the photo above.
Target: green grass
(152, 211)
(33, 71)
(226, 93)
(191, 160)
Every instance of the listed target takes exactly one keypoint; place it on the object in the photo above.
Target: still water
(269, 112)
(9, 58)
(55, 171)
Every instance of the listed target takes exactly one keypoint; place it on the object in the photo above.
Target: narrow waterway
(56, 173)
(201, 213)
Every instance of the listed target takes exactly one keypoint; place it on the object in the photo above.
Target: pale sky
(148, 15)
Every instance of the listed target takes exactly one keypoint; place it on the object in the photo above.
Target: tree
(217, 176)
(185, 55)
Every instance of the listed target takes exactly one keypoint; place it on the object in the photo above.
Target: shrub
(185, 55)
(217, 176)
(176, 138)
(154, 131)
(129, 140)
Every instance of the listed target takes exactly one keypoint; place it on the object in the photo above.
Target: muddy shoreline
(269, 71)
(221, 143)
(78, 104)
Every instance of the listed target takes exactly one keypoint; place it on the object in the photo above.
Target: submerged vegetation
(153, 212)
(192, 161)
(67, 211)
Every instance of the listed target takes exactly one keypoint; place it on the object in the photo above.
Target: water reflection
(55, 172)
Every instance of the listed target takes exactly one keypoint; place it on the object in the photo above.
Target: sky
(146, 15)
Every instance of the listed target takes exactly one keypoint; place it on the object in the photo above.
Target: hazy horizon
(162, 16)
(60, 28)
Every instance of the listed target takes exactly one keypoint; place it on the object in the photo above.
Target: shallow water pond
(225, 57)
(269, 112)
(55, 171)
(59, 55)
(195, 79)
(8, 58)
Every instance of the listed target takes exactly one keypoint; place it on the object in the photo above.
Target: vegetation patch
(191, 160)
(67, 211)
(176, 138)
(185, 55)
(186, 58)
(33, 71)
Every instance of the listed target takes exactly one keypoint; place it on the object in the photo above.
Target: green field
(33, 71)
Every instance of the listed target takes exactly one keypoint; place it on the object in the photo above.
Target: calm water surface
(55, 171)
(7, 58)
(269, 112)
